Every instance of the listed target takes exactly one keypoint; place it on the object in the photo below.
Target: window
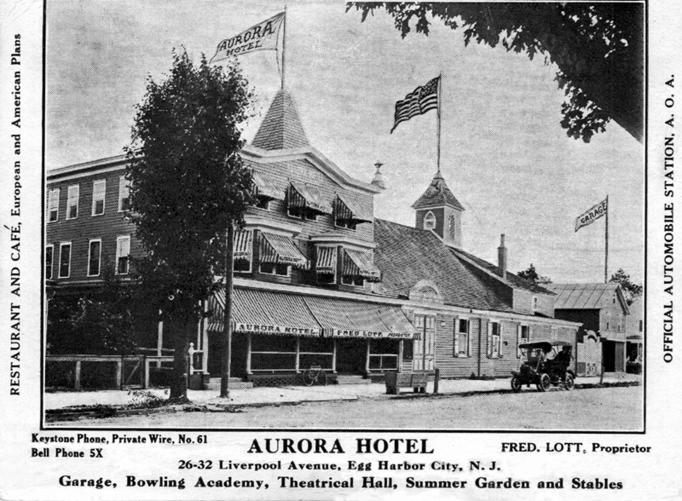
(64, 259)
(461, 337)
(351, 280)
(122, 255)
(53, 205)
(535, 303)
(99, 189)
(452, 226)
(94, 257)
(641, 325)
(243, 251)
(278, 269)
(123, 194)
(429, 221)
(72, 202)
(522, 336)
(263, 203)
(494, 335)
(49, 257)
(326, 264)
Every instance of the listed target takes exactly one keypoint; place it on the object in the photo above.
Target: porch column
(204, 341)
(248, 353)
(399, 365)
(367, 357)
(298, 355)
(159, 342)
(334, 356)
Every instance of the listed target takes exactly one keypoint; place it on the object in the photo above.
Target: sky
(503, 152)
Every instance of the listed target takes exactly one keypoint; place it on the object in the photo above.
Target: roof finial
(378, 180)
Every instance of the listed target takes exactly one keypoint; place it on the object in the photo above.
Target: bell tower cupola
(438, 210)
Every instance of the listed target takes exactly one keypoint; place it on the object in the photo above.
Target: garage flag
(262, 36)
(592, 214)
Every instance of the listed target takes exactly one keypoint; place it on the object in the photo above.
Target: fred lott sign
(370, 334)
(262, 36)
(592, 214)
(276, 330)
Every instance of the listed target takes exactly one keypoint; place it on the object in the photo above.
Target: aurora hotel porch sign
(277, 330)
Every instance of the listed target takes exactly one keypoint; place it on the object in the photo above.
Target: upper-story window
(49, 258)
(265, 191)
(358, 266)
(494, 339)
(452, 226)
(243, 251)
(72, 202)
(99, 189)
(429, 221)
(94, 257)
(347, 214)
(64, 259)
(278, 254)
(123, 194)
(53, 205)
(535, 303)
(461, 337)
(305, 201)
(325, 264)
(122, 255)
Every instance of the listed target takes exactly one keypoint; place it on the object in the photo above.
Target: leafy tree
(597, 47)
(531, 275)
(98, 322)
(631, 290)
(188, 185)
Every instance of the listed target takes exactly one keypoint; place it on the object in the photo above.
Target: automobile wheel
(515, 384)
(569, 382)
(545, 382)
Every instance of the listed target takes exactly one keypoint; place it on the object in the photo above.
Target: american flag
(417, 102)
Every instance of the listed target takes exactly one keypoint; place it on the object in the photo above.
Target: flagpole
(284, 44)
(606, 243)
(440, 80)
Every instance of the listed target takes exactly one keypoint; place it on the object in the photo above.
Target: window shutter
(489, 339)
(518, 340)
(455, 337)
(468, 338)
(499, 340)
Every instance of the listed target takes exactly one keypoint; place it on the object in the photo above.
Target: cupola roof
(437, 194)
(281, 128)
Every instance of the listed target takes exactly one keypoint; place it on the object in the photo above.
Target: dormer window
(278, 254)
(429, 221)
(347, 214)
(265, 191)
(304, 201)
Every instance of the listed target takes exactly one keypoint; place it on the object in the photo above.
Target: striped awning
(278, 249)
(326, 260)
(268, 312)
(243, 244)
(344, 318)
(360, 264)
(344, 210)
(305, 196)
(264, 312)
(265, 188)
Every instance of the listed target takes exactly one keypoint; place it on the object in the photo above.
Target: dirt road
(618, 409)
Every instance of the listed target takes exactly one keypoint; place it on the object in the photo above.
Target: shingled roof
(592, 296)
(437, 194)
(281, 128)
(514, 280)
(406, 255)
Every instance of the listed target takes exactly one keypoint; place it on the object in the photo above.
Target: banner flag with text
(262, 36)
(592, 214)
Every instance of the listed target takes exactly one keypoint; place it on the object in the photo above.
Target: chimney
(378, 180)
(502, 258)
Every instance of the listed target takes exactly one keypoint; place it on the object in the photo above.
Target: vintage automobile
(545, 363)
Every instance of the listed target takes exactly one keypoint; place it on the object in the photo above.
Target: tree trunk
(178, 387)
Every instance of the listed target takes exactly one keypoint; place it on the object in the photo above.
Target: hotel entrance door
(423, 348)
(351, 355)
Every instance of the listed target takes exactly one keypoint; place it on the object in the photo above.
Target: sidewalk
(293, 394)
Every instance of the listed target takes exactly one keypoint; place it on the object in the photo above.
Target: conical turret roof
(281, 127)
(437, 194)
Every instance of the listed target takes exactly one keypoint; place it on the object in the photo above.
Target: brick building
(318, 280)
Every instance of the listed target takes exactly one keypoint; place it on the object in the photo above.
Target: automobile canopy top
(546, 346)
